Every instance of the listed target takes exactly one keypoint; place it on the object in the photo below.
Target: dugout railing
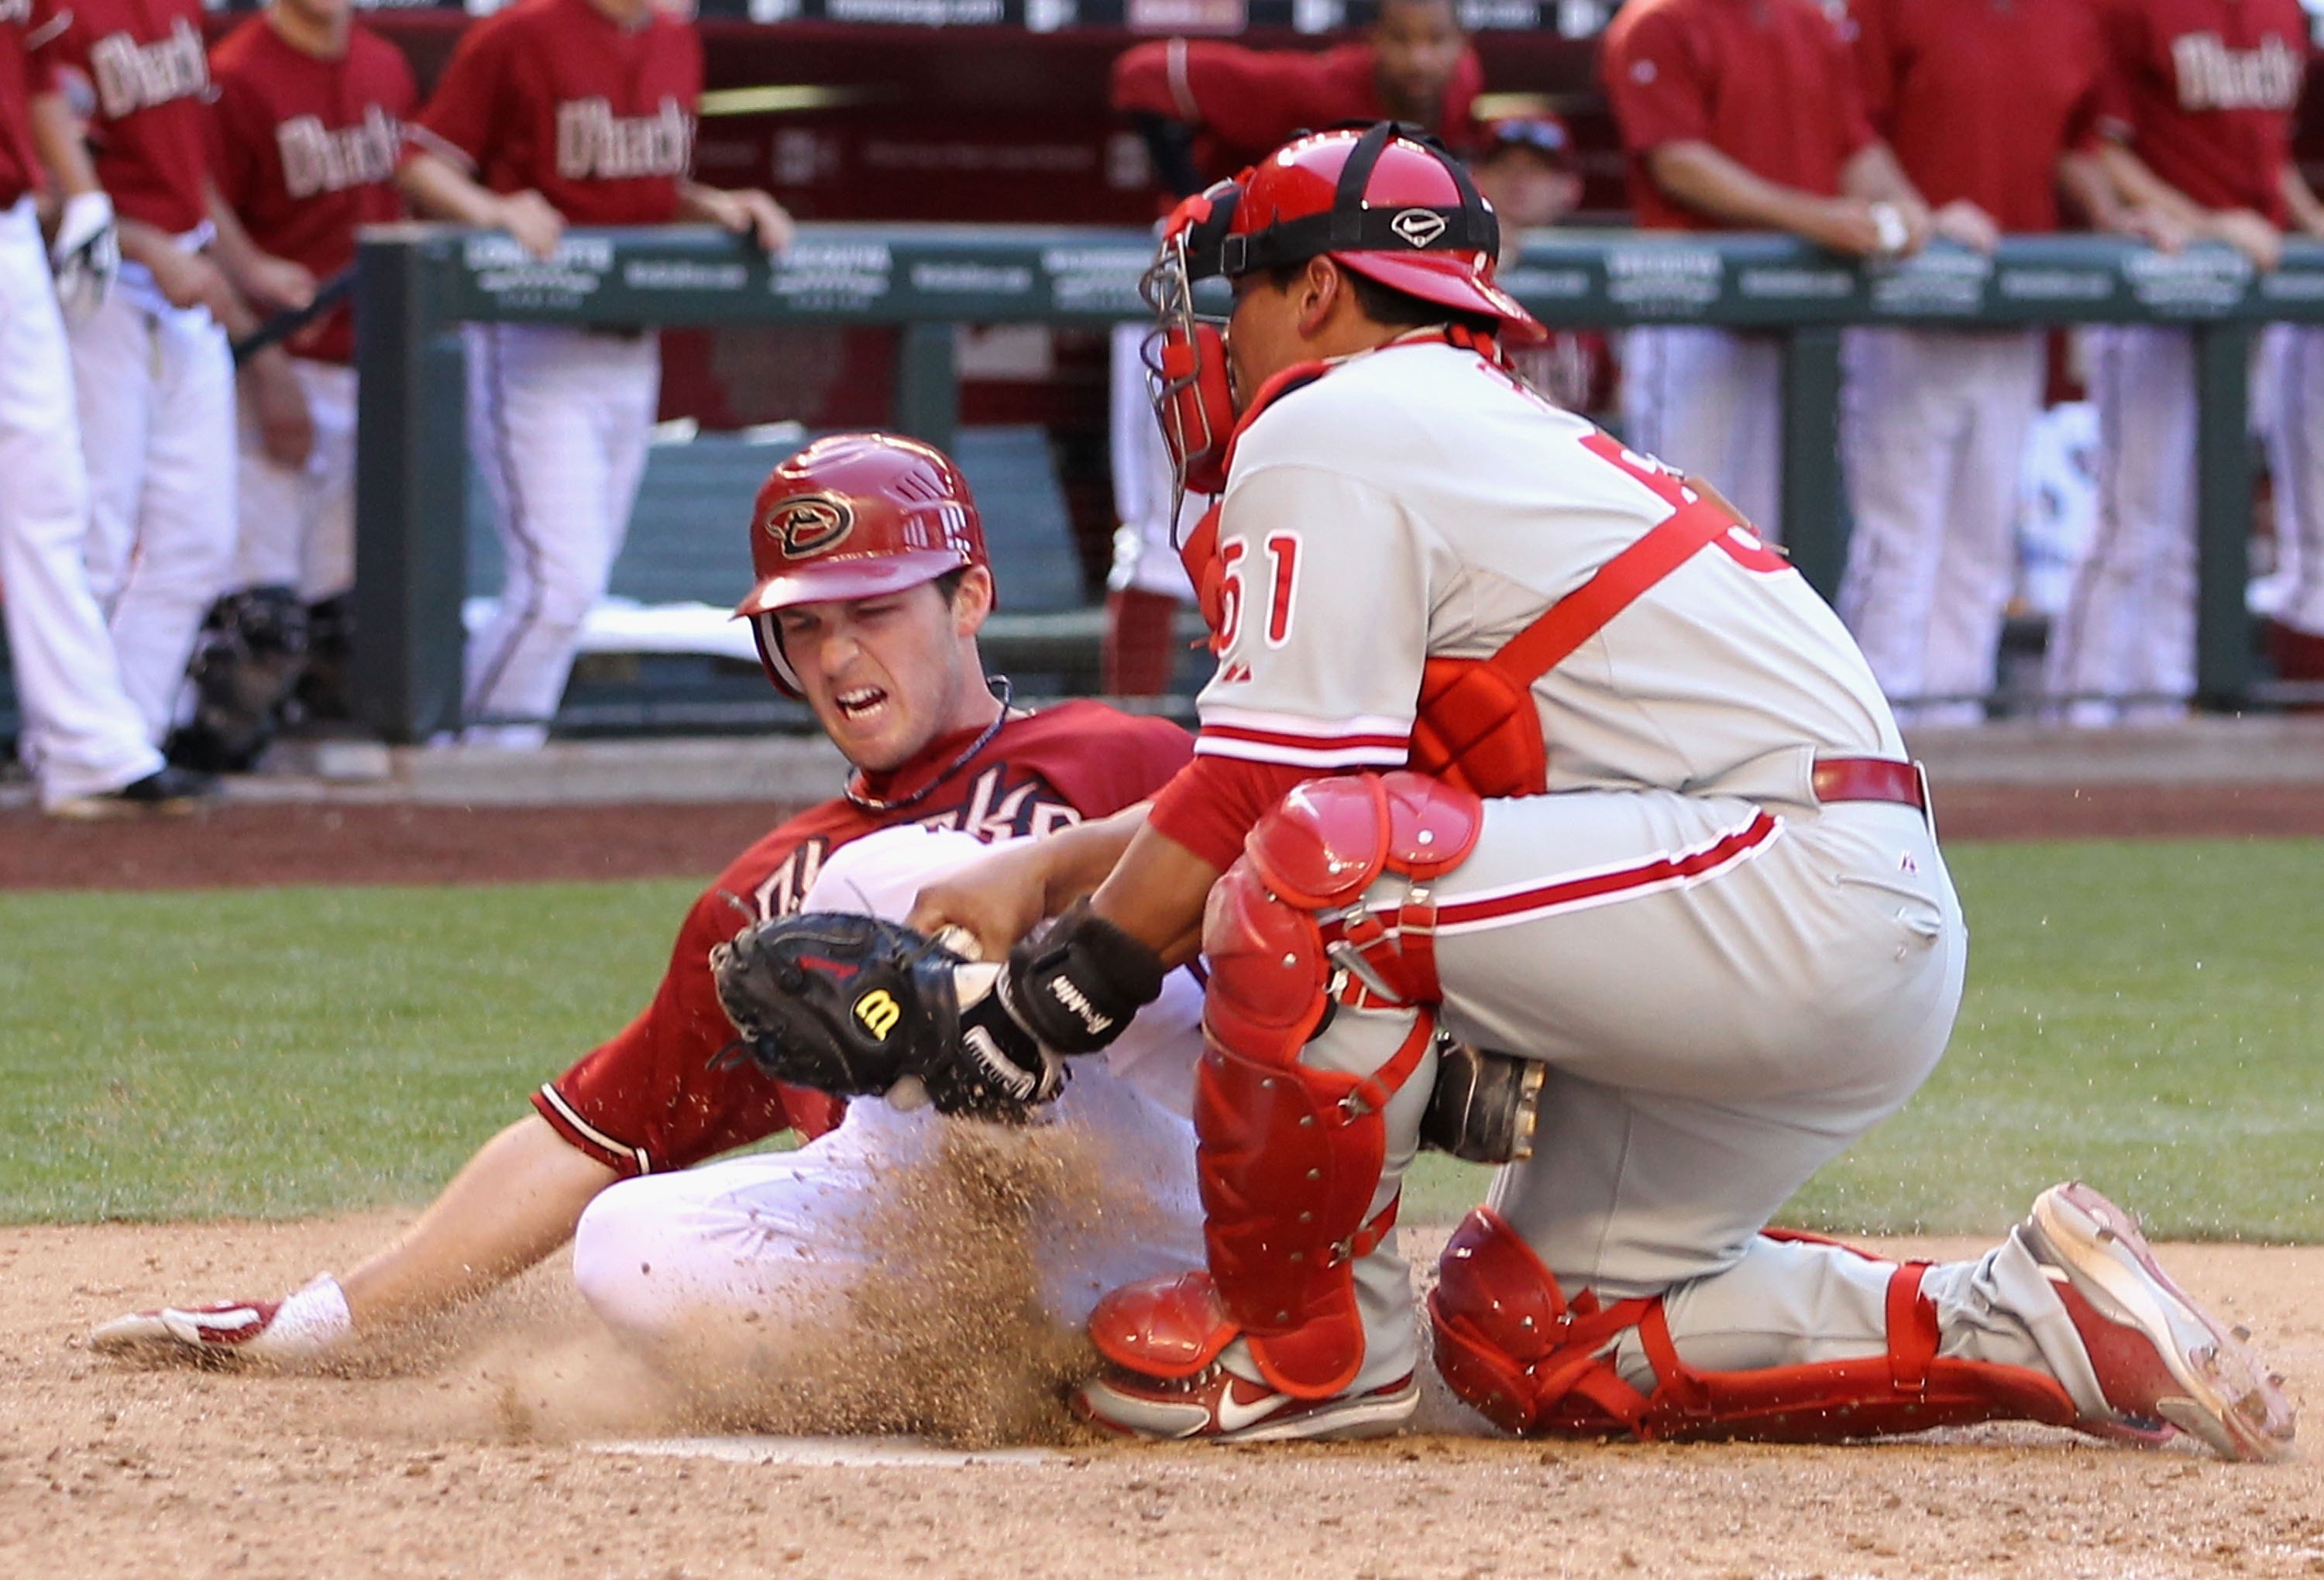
(419, 283)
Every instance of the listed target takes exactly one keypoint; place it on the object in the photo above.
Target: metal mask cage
(1167, 288)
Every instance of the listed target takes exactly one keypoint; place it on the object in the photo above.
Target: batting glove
(85, 255)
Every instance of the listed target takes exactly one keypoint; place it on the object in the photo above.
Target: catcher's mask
(1384, 200)
(854, 516)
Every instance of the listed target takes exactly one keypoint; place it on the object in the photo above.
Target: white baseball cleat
(2159, 1357)
(1219, 1407)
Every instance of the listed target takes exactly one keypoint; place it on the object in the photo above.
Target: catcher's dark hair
(1384, 304)
(949, 583)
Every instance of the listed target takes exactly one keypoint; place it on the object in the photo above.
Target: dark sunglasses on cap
(1544, 136)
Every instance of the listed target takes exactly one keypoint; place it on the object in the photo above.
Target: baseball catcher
(1519, 737)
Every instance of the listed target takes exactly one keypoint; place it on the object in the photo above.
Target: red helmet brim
(1450, 280)
(848, 577)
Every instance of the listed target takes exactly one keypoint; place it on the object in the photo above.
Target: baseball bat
(283, 324)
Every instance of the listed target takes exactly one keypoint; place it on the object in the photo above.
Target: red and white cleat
(1216, 1406)
(2159, 1359)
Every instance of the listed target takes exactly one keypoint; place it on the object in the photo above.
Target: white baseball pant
(298, 523)
(2296, 459)
(81, 735)
(2124, 647)
(558, 420)
(1145, 552)
(1710, 403)
(789, 1235)
(155, 385)
(1933, 436)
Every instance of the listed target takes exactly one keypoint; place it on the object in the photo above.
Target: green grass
(2141, 1015)
(294, 1050)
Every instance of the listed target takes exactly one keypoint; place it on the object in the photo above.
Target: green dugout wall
(419, 283)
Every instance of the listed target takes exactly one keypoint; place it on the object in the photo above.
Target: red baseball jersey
(306, 151)
(1768, 83)
(653, 1099)
(1980, 97)
(555, 96)
(1247, 103)
(136, 71)
(2205, 93)
(19, 164)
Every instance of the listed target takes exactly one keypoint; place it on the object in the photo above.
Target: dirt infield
(472, 1454)
(359, 842)
(470, 1459)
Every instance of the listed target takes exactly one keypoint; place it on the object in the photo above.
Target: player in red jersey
(1226, 106)
(309, 117)
(84, 740)
(873, 584)
(152, 377)
(2202, 134)
(1742, 115)
(1992, 111)
(555, 112)
(1207, 108)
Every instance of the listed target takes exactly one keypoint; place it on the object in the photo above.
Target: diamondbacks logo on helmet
(1418, 227)
(811, 524)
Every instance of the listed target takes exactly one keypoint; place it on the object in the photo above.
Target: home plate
(871, 1453)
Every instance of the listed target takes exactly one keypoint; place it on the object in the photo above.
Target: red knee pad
(1495, 1310)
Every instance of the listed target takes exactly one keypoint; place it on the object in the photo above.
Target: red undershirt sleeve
(1213, 802)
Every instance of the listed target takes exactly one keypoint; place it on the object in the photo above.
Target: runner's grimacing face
(888, 675)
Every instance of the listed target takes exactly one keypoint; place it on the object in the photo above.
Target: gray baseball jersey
(1419, 503)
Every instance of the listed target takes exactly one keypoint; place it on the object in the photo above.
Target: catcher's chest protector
(1290, 1156)
(1531, 1360)
(1476, 724)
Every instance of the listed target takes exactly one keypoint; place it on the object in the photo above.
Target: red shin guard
(1532, 1362)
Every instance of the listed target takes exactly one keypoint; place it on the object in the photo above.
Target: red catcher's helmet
(855, 516)
(1387, 202)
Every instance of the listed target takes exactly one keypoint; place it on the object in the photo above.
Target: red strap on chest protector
(1477, 725)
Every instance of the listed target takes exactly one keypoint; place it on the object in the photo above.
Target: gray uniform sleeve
(1328, 595)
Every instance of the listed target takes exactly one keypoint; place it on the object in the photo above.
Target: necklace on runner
(998, 685)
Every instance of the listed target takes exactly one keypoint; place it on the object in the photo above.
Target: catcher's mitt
(852, 1005)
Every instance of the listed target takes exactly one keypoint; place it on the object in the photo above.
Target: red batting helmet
(855, 516)
(1387, 202)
